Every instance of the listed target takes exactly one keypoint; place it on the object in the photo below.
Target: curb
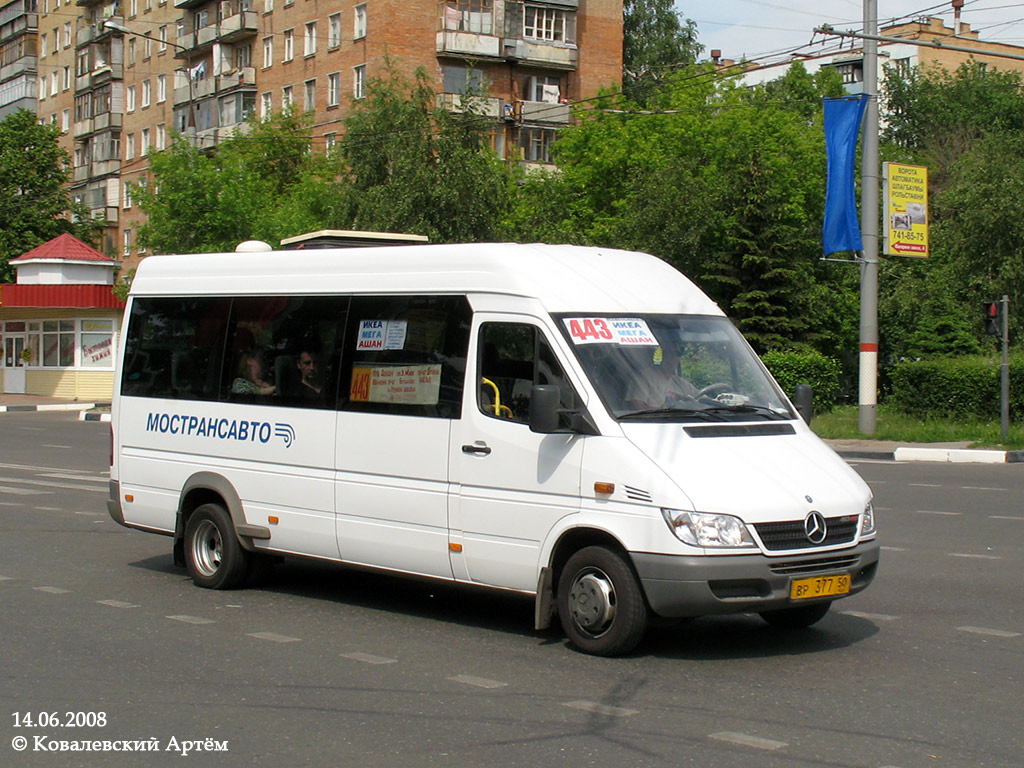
(938, 455)
(85, 416)
(48, 407)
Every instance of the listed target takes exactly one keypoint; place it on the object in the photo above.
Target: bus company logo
(240, 430)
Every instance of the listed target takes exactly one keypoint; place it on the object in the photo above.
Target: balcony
(238, 27)
(542, 54)
(543, 112)
(472, 44)
(236, 79)
(491, 107)
(106, 120)
(188, 3)
(100, 75)
(26, 65)
(81, 128)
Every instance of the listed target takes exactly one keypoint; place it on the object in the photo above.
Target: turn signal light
(607, 488)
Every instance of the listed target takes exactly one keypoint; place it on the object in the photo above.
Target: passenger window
(284, 350)
(512, 358)
(406, 355)
(173, 348)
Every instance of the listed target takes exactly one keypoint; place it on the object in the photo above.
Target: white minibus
(583, 425)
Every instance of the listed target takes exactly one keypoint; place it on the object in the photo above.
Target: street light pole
(868, 399)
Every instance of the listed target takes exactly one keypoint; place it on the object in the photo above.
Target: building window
(96, 343)
(359, 30)
(536, 144)
(54, 83)
(243, 56)
(162, 34)
(459, 79)
(146, 93)
(333, 89)
(334, 30)
(310, 92)
(268, 51)
(126, 196)
(67, 79)
(67, 34)
(309, 45)
(549, 24)
(129, 99)
(129, 147)
(65, 120)
(330, 142)
(268, 6)
(126, 247)
(161, 89)
(43, 44)
(131, 52)
(147, 48)
(266, 105)
(161, 137)
(469, 16)
(542, 88)
(359, 81)
(286, 97)
(851, 72)
(289, 44)
(144, 148)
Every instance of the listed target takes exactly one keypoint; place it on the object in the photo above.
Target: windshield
(673, 368)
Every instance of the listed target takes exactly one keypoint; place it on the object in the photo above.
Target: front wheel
(796, 618)
(600, 604)
(213, 556)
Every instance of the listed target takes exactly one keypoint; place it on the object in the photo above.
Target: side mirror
(803, 399)
(544, 401)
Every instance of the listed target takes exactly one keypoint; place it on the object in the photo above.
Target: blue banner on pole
(841, 229)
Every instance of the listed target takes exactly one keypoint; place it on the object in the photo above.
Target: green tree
(415, 167)
(33, 173)
(655, 43)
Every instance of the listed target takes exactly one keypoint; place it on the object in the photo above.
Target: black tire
(213, 556)
(797, 618)
(600, 604)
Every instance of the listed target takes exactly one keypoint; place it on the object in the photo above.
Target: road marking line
(52, 590)
(368, 658)
(935, 512)
(117, 603)
(50, 484)
(48, 445)
(8, 504)
(47, 509)
(748, 741)
(979, 488)
(976, 557)
(86, 478)
(1004, 517)
(870, 616)
(189, 619)
(6, 578)
(479, 682)
(24, 491)
(273, 637)
(987, 631)
(895, 549)
(601, 709)
(90, 514)
(923, 485)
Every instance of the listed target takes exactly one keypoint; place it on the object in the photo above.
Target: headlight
(867, 520)
(703, 529)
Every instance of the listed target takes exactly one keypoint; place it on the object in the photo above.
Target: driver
(657, 384)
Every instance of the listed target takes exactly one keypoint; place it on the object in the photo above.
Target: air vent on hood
(739, 430)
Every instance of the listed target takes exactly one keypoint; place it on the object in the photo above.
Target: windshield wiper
(748, 408)
(706, 414)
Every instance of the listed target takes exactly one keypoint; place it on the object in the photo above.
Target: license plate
(819, 586)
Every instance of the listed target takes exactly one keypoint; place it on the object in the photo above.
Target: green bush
(791, 368)
(957, 388)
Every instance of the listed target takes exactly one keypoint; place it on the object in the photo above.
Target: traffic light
(993, 317)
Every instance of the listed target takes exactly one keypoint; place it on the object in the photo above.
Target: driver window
(512, 358)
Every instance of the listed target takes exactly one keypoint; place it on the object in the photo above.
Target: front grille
(816, 565)
(636, 494)
(791, 534)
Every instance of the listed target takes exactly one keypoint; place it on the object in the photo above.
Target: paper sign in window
(401, 384)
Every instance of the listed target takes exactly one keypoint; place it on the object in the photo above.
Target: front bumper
(681, 586)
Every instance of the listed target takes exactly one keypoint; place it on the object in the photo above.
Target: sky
(752, 28)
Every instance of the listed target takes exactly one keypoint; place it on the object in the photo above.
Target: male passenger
(312, 384)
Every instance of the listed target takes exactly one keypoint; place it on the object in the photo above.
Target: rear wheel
(600, 604)
(796, 618)
(213, 556)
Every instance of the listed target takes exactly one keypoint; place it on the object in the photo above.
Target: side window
(406, 355)
(284, 350)
(173, 348)
(512, 358)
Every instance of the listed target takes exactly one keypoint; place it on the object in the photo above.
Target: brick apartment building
(119, 77)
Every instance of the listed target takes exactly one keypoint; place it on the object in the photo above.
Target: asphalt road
(322, 666)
